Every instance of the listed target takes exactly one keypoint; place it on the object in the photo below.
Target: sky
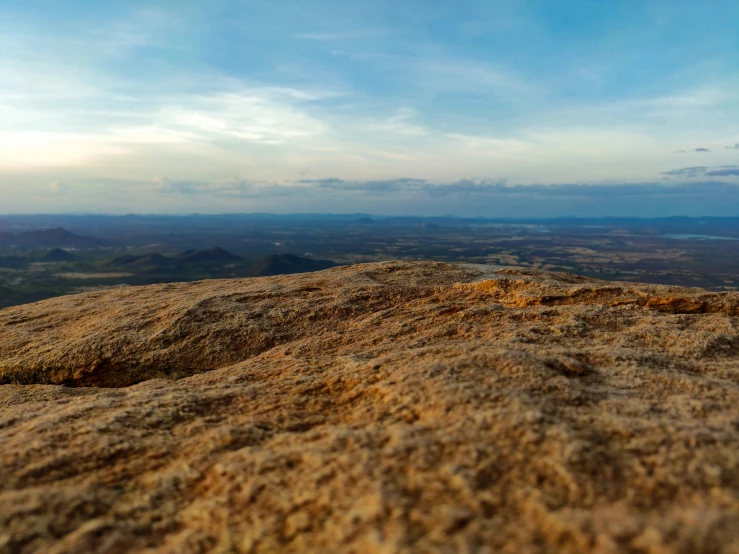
(521, 108)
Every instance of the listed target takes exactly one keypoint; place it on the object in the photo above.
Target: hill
(388, 407)
(58, 255)
(156, 260)
(285, 264)
(212, 255)
(54, 238)
(143, 260)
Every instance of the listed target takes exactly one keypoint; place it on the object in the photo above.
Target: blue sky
(475, 108)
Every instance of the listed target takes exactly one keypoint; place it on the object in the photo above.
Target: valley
(45, 256)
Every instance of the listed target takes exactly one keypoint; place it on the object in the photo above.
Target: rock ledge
(391, 407)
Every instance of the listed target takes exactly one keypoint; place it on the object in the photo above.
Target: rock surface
(393, 407)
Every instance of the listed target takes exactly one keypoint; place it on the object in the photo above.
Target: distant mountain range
(281, 264)
(55, 238)
(211, 255)
(276, 264)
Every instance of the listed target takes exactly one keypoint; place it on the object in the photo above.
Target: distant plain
(43, 256)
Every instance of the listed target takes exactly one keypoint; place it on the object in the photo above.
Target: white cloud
(345, 35)
(400, 124)
(471, 76)
(56, 187)
(186, 122)
(234, 187)
(40, 149)
(491, 145)
(246, 116)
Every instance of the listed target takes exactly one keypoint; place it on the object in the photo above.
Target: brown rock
(393, 407)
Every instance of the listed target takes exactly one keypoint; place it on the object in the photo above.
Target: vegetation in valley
(46, 256)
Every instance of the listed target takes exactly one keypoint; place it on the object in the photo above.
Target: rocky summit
(378, 408)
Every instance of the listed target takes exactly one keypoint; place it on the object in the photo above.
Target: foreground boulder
(391, 407)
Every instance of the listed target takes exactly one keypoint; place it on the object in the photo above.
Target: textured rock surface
(388, 407)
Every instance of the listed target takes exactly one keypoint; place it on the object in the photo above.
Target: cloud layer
(703, 171)
(325, 99)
